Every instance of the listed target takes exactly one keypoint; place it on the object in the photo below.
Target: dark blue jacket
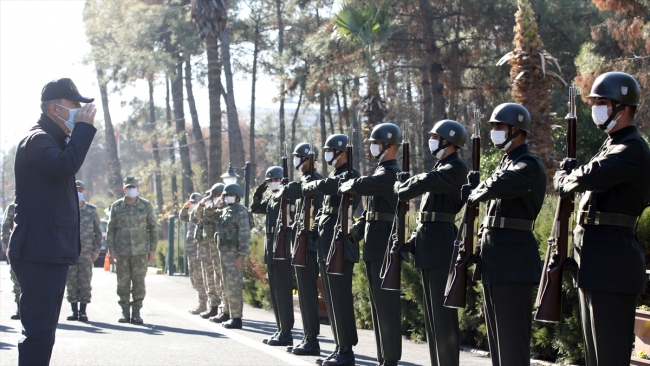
(47, 207)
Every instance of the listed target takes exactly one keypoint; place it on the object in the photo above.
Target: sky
(45, 40)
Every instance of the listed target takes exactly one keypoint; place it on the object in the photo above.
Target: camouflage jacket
(206, 218)
(90, 229)
(8, 224)
(132, 228)
(190, 242)
(234, 232)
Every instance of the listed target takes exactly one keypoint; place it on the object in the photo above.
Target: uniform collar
(449, 158)
(388, 162)
(83, 205)
(619, 135)
(341, 169)
(49, 126)
(518, 151)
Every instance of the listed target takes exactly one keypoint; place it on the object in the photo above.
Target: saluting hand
(86, 114)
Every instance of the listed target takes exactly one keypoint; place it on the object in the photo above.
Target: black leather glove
(409, 245)
(473, 179)
(313, 235)
(403, 176)
(309, 178)
(568, 164)
(259, 191)
(465, 191)
(285, 181)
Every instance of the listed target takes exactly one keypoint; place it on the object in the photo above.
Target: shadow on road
(268, 328)
(6, 346)
(99, 328)
(6, 329)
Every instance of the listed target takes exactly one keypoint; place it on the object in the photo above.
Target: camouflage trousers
(78, 284)
(213, 281)
(14, 279)
(196, 278)
(233, 284)
(131, 271)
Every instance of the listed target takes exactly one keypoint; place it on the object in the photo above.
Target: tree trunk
(323, 132)
(251, 135)
(329, 113)
(114, 166)
(172, 157)
(236, 144)
(416, 151)
(196, 128)
(214, 95)
(278, 8)
(360, 161)
(338, 108)
(181, 136)
(294, 122)
(151, 127)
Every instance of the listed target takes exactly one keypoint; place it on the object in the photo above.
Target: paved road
(172, 336)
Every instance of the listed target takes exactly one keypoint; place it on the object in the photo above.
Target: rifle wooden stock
(300, 249)
(336, 255)
(280, 249)
(392, 266)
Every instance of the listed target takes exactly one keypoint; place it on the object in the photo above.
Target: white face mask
(434, 145)
(375, 149)
(296, 162)
(131, 192)
(230, 200)
(274, 186)
(329, 155)
(600, 115)
(499, 137)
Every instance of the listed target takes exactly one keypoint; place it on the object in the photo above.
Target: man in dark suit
(45, 241)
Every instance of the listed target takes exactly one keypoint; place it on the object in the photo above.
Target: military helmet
(274, 172)
(387, 133)
(216, 189)
(617, 86)
(303, 148)
(337, 142)
(512, 114)
(233, 188)
(195, 197)
(80, 184)
(451, 131)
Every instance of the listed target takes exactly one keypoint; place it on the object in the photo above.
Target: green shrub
(256, 286)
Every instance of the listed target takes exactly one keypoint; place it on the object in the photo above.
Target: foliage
(256, 284)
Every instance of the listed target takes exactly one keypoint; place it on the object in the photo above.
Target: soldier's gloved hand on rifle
(259, 191)
(345, 187)
(403, 176)
(568, 164)
(285, 181)
(466, 190)
(308, 178)
(358, 230)
(311, 234)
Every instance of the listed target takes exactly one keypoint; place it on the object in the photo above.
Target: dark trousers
(280, 283)
(441, 323)
(508, 316)
(42, 286)
(607, 326)
(307, 278)
(327, 294)
(386, 315)
(342, 319)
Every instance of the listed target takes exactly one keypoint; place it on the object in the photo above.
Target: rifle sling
(606, 218)
(508, 223)
(436, 216)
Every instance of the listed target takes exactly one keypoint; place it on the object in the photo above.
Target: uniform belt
(436, 216)
(508, 223)
(606, 218)
(379, 216)
(329, 210)
(270, 230)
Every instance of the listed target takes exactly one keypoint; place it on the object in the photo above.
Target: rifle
(300, 249)
(336, 254)
(456, 291)
(391, 268)
(282, 225)
(549, 295)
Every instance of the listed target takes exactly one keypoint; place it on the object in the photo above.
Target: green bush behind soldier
(609, 257)
(81, 274)
(337, 289)
(375, 228)
(191, 251)
(510, 265)
(7, 227)
(307, 276)
(280, 273)
(131, 238)
(432, 242)
(206, 216)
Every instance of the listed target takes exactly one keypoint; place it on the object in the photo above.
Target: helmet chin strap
(511, 136)
(303, 160)
(384, 147)
(337, 153)
(440, 147)
(615, 110)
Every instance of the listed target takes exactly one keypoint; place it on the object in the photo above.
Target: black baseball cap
(63, 89)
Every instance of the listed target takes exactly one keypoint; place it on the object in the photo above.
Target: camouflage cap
(131, 181)
(80, 184)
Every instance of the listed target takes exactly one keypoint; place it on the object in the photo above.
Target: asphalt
(172, 336)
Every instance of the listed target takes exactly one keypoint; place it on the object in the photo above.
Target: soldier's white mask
(297, 162)
(329, 158)
(375, 150)
(81, 196)
(193, 206)
(433, 146)
(131, 192)
(274, 186)
(230, 200)
(600, 115)
(499, 137)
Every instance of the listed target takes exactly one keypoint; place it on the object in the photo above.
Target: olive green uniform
(80, 275)
(207, 217)
(193, 261)
(7, 227)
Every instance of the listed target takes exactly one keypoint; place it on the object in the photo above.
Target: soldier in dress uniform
(7, 227)
(81, 274)
(509, 255)
(432, 242)
(131, 238)
(337, 289)
(307, 276)
(610, 260)
(279, 271)
(233, 238)
(191, 251)
(375, 228)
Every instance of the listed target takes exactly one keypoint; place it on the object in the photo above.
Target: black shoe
(344, 357)
(320, 360)
(290, 348)
(16, 316)
(83, 317)
(135, 317)
(75, 311)
(232, 324)
(283, 339)
(126, 316)
(266, 340)
(309, 347)
(214, 311)
(389, 363)
(223, 317)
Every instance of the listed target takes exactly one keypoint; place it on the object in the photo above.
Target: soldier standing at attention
(509, 255)
(279, 271)
(432, 242)
(307, 276)
(611, 262)
(7, 227)
(191, 251)
(375, 228)
(80, 274)
(233, 238)
(131, 238)
(337, 289)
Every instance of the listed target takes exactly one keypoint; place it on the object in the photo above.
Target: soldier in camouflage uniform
(131, 238)
(7, 227)
(80, 274)
(191, 251)
(205, 216)
(233, 238)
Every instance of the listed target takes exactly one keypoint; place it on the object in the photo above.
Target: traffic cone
(107, 262)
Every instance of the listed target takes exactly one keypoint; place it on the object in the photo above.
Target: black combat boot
(320, 360)
(283, 339)
(266, 340)
(214, 310)
(344, 357)
(290, 348)
(16, 316)
(83, 317)
(135, 317)
(308, 347)
(389, 363)
(126, 316)
(75, 311)
(223, 317)
(234, 323)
